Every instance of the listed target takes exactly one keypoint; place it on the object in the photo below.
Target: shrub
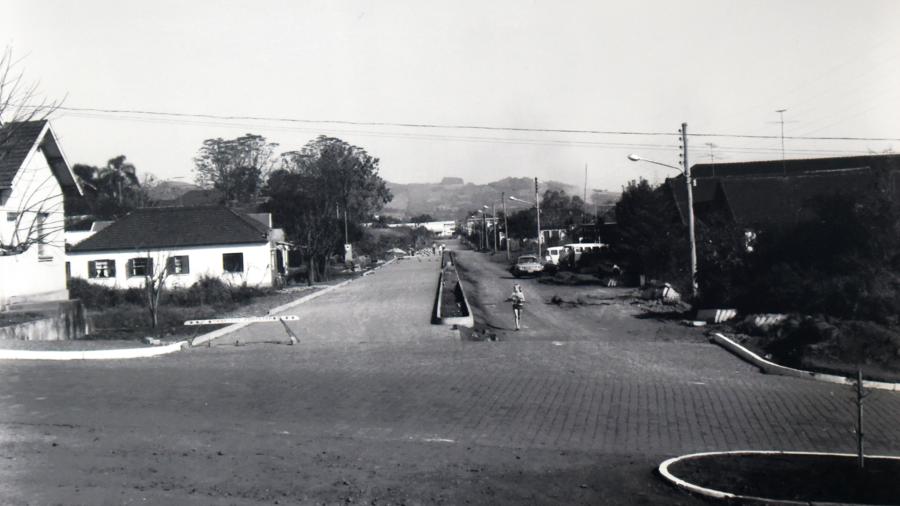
(208, 290)
(94, 296)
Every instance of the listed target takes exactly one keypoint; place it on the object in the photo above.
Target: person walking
(518, 302)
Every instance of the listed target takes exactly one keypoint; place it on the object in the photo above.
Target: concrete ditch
(451, 307)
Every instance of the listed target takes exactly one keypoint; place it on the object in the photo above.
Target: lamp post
(505, 223)
(537, 207)
(690, 201)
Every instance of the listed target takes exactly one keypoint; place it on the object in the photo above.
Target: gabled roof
(20, 140)
(176, 227)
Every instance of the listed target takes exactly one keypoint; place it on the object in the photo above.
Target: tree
(157, 270)
(653, 241)
(236, 167)
(318, 189)
(422, 218)
(109, 192)
(20, 100)
(36, 204)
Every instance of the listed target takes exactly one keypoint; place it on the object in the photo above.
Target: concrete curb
(772, 368)
(154, 351)
(306, 298)
(727, 496)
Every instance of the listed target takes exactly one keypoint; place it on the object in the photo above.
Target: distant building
(34, 179)
(439, 228)
(190, 242)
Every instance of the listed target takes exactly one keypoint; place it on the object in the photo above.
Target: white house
(190, 242)
(439, 228)
(34, 176)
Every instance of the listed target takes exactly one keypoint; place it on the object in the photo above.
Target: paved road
(376, 405)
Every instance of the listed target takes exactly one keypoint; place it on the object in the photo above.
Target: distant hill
(452, 198)
(169, 190)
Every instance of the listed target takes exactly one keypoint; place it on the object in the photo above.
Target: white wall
(204, 261)
(30, 276)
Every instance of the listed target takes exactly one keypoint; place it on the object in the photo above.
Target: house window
(102, 269)
(42, 235)
(12, 217)
(178, 265)
(140, 267)
(233, 262)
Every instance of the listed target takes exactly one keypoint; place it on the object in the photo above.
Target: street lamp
(537, 207)
(690, 199)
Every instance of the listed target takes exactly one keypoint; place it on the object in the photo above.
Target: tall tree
(235, 167)
(109, 192)
(320, 186)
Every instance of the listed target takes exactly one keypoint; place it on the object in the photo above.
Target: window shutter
(92, 269)
(129, 268)
(170, 265)
(111, 265)
(185, 264)
(150, 267)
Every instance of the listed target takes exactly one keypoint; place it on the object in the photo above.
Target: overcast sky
(720, 66)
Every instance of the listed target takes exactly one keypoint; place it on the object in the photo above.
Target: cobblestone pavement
(377, 405)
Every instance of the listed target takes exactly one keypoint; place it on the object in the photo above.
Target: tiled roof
(16, 140)
(794, 166)
(771, 199)
(176, 227)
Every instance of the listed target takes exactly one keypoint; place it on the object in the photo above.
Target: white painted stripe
(246, 319)
(145, 352)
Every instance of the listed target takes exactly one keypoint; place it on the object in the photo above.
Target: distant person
(433, 248)
(518, 302)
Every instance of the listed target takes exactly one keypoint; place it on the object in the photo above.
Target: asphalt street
(376, 405)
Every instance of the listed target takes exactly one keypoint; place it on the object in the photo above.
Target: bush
(208, 290)
(94, 296)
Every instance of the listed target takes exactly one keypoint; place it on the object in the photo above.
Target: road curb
(205, 338)
(124, 353)
(769, 367)
(728, 496)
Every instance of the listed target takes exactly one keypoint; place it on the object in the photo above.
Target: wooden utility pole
(537, 216)
(860, 396)
(505, 223)
(690, 205)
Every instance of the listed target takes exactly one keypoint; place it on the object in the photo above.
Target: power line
(454, 126)
(445, 137)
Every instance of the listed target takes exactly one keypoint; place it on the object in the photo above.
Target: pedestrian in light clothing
(518, 302)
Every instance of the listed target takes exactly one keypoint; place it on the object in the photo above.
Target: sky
(352, 68)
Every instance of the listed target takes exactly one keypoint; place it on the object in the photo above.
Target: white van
(554, 253)
(580, 247)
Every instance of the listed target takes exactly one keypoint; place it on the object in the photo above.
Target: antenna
(783, 164)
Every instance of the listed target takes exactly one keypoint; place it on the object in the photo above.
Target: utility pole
(690, 202)
(537, 216)
(860, 396)
(484, 243)
(494, 216)
(505, 223)
(584, 196)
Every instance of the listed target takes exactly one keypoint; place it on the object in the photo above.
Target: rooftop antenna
(783, 163)
(712, 157)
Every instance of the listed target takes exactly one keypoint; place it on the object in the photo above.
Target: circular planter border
(718, 494)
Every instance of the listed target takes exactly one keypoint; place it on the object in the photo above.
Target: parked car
(526, 265)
